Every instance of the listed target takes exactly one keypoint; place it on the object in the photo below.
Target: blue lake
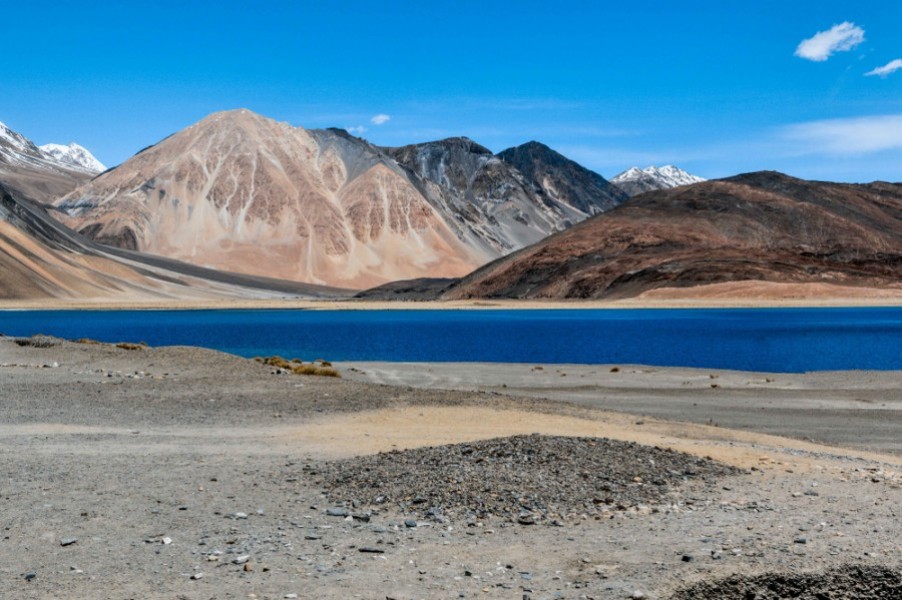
(780, 340)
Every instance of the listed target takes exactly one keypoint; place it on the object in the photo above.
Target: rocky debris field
(848, 582)
(526, 479)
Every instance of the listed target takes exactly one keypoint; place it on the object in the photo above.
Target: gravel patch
(524, 479)
(849, 582)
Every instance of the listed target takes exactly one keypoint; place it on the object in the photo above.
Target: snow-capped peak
(635, 180)
(73, 155)
(17, 141)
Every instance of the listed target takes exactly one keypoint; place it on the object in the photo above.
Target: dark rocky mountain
(562, 179)
(484, 193)
(759, 227)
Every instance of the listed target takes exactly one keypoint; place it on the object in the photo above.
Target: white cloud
(859, 135)
(890, 67)
(356, 130)
(380, 119)
(838, 38)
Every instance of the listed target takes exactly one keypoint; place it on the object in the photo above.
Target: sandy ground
(167, 467)
(855, 409)
(746, 294)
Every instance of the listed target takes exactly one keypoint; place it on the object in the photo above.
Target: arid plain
(188, 473)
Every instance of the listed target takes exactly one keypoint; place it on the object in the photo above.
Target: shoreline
(890, 301)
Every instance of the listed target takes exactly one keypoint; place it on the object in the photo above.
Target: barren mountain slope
(243, 193)
(41, 258)
(759, 226)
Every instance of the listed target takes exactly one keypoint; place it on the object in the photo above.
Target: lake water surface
(779, 340)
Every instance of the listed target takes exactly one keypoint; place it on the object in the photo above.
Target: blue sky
(714, 87)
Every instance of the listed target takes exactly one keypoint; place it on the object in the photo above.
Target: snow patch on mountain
(636, 181)
(73, 155)
(16, 141)
(17, 150)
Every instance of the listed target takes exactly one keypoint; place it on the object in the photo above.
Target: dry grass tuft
(296, 366)
(37, 341)
(131, 346)
(315, 370)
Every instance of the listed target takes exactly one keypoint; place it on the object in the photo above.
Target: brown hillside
(762, 226)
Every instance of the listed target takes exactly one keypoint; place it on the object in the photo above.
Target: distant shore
(741, 294)
(297, 304)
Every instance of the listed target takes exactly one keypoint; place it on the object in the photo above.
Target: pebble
(410, 523)
(371, 550)
(68, 541)
(240, 560)
(336, 512)
(197, 576)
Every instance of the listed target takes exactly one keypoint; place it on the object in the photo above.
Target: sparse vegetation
(321, 367)
(37, 341)
(88, 341)
(131, 346)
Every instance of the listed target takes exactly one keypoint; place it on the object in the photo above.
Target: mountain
(636, 181)
(757, 227)
(240, 192)
(563, 180)
(74, 156)
(26, 168)
(503, 207)
(41, 259)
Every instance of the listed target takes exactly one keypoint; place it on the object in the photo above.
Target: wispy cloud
(380, 119)
(823, 44)
(890, 67)
(853, 136)
(356, 129)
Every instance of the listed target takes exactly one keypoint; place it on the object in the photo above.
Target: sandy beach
(188, 473)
